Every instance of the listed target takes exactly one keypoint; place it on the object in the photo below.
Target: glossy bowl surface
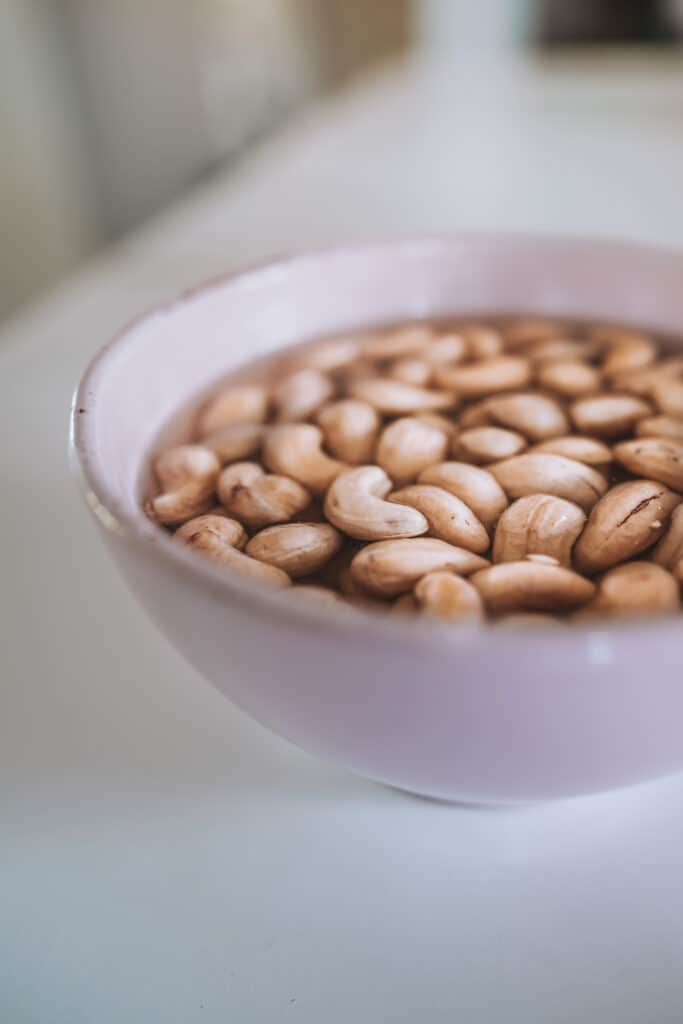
(477, 714)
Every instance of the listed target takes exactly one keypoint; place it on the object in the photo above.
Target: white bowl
(479, 715)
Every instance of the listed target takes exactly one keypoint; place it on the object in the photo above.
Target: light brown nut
(357, 595)
(608, 416)
(411, 370)
(538, 524)
(260, 499)
(350, 429)
(529, 586)
(316, 595)
(668, 394)
(437, 419)
(476, 487)
(237, 403)
(407, 446)
(449, 518)
(669, 551)
(644, 380)
(447, 348)
(187, 477)
(487, 444)
(535, 416)
(295, 449)
(562, 349)
(448, 597)
(654, 457)
(635, 588)
(299, 549)
(574, 446)
(300, 394)
(355, 504)
(571, 378)
(391, 567)
(400, 341)
(660, 426)
(483, 342)
(393, 398)
(541, 473)
(221, 539)
(626, 350)
(501, 373)
(630, 518)
(236, 441)
(327, 356)
(522, 331)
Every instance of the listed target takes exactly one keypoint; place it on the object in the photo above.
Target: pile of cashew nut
(516, 471)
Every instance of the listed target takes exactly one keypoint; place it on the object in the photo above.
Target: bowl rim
(151, 541)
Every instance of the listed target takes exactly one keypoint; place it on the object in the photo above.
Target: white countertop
(162, 857)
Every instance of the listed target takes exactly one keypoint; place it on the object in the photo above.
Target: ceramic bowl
(476, 714)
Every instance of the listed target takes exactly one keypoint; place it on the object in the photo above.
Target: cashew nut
(538, 524)
(487, 444)
(535, 416)
(260, 499)
(411, 371)
(448, 597)
(355, 504)
(350, 429)
(390, 567)
(393, 398)
(408, 445)
(669, 551)
(608, 416)
(630, 518)
(581, 449)
(540, 473)
(295, 449)
(221, 539)
(187, 476)
(660, 426)
(654, 457)
(501, 373)
(476, 487)
(449, 518)
(400, 341)
(533, 587)
(238, 403)
(236, 441)
(299, 549)
(571, 378)
(635, 588)
(299, 395)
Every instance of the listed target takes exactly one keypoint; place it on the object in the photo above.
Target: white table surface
(162, 857)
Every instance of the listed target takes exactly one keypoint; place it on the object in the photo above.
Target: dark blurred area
(111, 110)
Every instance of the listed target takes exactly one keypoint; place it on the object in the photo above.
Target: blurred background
(109, 110)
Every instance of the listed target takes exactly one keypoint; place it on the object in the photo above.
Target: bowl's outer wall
(493, 717)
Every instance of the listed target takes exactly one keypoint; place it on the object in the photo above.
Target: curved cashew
(260, 499)
(235, 441)
(655, 458)
(299, 549)
(581, 449)
(355, 504)
(636, 588)
(187, 476)
(400, 341)
(660, 426)
(221, 539)
(393, 398)
(538, 524)
(296, 450)
(571, 378)
(540, 473)
(409, 445)
(483, 342)
(449, 518)
(350, 428)
(487, 444)
(299, 395)
(410, 370)
(609, 416)
(478, 488)
(448, 597)
(626, 350)
(238, 403)
(531, 587)
(536, 417)
(390, 567)
(501, 373)
(630, 518)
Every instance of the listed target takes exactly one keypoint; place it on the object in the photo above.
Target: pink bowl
(474, 714)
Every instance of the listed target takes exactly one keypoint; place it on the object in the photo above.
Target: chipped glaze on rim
(153, 542)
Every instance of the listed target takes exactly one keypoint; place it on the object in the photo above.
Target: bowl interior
(158, 367)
